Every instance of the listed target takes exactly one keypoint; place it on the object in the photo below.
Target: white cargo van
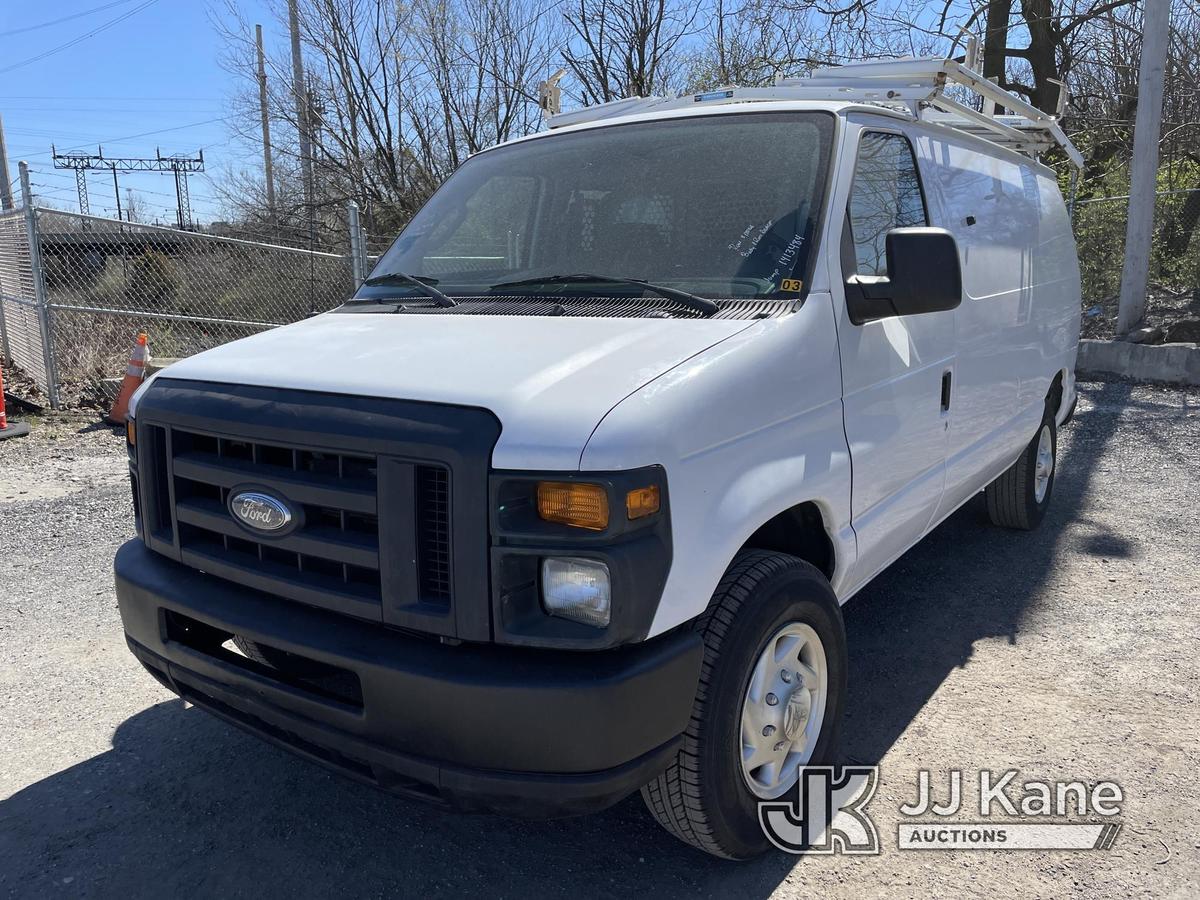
(565, 501)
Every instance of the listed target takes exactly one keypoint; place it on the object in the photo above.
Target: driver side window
(886, 194)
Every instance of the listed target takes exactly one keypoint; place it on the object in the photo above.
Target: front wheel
(772, 688)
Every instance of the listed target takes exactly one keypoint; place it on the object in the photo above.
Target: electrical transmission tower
(180, 166)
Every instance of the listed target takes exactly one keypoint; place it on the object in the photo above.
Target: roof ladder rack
(915, 85)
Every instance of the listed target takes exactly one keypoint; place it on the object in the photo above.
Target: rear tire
(705, 797)
(1020, 497)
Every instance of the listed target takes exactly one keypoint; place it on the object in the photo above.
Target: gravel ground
(1066, 653)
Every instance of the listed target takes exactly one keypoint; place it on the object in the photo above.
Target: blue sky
(156, 71)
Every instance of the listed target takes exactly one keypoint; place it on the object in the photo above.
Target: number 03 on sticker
(791, 284)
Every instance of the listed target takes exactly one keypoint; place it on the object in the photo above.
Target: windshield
(718, 206)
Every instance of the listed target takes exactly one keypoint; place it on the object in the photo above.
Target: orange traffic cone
(134, 373)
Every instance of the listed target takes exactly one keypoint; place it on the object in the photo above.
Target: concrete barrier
(1169, 363)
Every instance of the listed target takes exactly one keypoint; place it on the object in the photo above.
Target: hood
(550, 380)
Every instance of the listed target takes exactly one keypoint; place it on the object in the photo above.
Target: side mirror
(923, 276)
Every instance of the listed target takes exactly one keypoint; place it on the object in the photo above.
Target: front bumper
(536, 733)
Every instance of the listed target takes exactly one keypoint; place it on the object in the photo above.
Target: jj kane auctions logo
(828, 814)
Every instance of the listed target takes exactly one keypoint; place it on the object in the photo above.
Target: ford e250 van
(564, 503)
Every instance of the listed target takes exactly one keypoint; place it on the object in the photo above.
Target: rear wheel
(770, 700)
(1019, 498)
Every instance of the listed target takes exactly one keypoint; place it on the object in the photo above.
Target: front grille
(433, 524)
(332, 559)
(388, 499)
(334, 553)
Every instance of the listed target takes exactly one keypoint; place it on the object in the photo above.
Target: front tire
(772, 632)
(277, 659)
(1020, 497)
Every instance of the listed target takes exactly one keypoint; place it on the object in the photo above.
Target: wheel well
(799, 531)
(1054, 396)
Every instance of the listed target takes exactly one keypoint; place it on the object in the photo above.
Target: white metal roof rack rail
(915, 85)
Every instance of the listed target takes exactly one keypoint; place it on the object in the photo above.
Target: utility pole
(183, 202)
(117, 192)
(1143, 183)
(302, 107)
(6, 197)
(266, 124)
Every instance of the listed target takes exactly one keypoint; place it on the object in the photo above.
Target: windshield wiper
(421, 283)
(700, 304)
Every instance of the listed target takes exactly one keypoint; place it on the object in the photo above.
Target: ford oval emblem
(260, 511)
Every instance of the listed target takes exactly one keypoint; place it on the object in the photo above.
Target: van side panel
(746, 429)
(1059, 308)
(1018, 324)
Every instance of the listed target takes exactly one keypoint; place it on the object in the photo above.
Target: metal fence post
(358, 262)
(1074, 192)
(39, 286)
(5, 349)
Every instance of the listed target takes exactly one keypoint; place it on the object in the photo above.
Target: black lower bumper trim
(532, 733)
(523, 794)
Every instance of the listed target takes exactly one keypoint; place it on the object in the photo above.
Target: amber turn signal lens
(130, 433)
(573, 503)
(642, 502)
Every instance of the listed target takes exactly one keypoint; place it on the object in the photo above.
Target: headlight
(577, 589)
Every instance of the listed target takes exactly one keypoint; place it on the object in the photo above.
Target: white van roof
(912, 89)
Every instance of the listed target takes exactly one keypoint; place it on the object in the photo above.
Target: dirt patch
(22, 388)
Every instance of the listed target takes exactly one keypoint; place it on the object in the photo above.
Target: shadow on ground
(182, 804)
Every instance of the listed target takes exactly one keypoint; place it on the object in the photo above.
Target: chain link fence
(22, 325)
(106, 280)
(1173, 294)
(77, 289)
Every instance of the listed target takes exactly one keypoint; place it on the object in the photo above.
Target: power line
(98, 97)
(104, 111)
(130, 137)
(78, 15)
(78, 40)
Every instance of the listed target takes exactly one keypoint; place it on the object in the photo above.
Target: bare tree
(400, 94)
(626, 48)
(135, 207)
(752, 42)
(1050, 28)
